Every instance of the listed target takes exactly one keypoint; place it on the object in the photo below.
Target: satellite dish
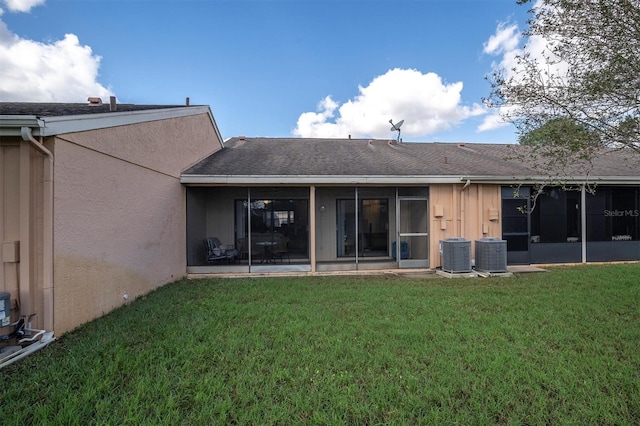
(396, 127)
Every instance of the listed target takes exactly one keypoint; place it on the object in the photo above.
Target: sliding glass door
(364, 230)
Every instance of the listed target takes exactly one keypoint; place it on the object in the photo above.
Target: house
(101, 203)
(343, 204)
(92, 211)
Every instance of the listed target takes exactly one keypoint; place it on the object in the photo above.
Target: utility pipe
(46, 338)
(462, 209)
(47, 238)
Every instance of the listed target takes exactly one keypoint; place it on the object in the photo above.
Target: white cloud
(506, 42)
(492, 122)
(58, 71)
(506, 39)
(22, 5)
(425, 103)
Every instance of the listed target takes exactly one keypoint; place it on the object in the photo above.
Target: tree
(575, 87)
(560, 146)
(558, 149)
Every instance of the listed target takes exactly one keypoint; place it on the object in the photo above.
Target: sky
(274, 68)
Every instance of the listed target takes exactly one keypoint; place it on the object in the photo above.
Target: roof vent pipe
(112, 103)
(187, 101)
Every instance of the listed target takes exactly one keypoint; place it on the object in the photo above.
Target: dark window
(613, 214)
(514, 216)
(556, 217)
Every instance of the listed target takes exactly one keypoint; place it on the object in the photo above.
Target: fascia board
(11, 125)
(315, 180)
(529, 180)
(389, 180)
(83, 122)
(215, 127)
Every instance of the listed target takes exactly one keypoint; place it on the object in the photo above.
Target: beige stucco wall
(470, 212)
(119, 213)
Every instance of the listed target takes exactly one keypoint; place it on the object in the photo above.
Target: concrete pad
(484, 274)
(446, 274)
(524, 269)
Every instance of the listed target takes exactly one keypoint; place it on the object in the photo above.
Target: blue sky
(272, 67)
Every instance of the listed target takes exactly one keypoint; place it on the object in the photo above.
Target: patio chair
(216, 252)
(282, 249)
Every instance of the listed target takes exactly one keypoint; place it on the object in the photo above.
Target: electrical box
(456, 255)
(11, 251)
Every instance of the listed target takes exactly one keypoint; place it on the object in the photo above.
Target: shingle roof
(50, 119)
(61, 109)
(364, 157)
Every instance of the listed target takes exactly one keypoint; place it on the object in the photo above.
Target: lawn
(557, 347)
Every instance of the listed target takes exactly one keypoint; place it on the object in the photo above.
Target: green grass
(561, 347)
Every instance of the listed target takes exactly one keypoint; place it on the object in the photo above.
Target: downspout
(462, 208)
(47, 237)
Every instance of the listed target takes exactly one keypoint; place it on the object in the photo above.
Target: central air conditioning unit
(456, 255)
(491, 255)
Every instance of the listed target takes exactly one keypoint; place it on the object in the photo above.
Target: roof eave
(11, 125)
(314, 179)
(196, 179)
(58, 125)
(576, 180)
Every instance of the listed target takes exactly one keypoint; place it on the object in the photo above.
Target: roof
(47, 119)
(304, 160)
(61, 109)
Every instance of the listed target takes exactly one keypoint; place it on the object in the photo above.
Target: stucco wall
(119, 213)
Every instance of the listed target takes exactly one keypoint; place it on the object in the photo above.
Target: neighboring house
(342, 204)
(92, 211)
